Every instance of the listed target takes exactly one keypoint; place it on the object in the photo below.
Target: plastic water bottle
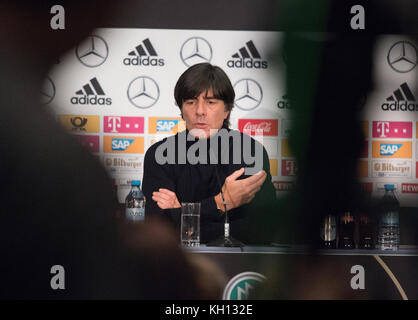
(135, 203)
(389, 233)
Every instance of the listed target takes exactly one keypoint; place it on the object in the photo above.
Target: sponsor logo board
(363, 169)
(366, 187)
(248, 94)
(365, 151)
(247, 56)
(121, 144)
(392, 129)
(402, 56)
(402, 99)
(123, 164)
(195, 50)
(283, 185)
(392, 149)
(286, 149)
(289, 168)
(409, 187)
(391, 168)
(166, 125)
(93, 51)
(286, 125)
(143, 92)
(265, 127)
(271, 146)
(91, 93)
(365, 128)
(284, 103)
(80, 123)
(144, 54)
(273, 167)
(91, 143)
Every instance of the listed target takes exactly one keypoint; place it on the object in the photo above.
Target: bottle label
(135, 214)
(329, 229)
(391, 218)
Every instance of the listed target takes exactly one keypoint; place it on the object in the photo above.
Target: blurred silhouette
(329, 75)
(57, 205)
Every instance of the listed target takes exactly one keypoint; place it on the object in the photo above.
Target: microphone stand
(226, 240)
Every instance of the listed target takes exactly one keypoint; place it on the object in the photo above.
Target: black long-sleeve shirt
(198, 183)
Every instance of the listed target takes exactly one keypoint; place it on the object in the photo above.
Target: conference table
(297, 272)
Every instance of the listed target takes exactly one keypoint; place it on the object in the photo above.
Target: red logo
(91, 143)
(392, 129)
(366, 187)
(289, 168)
(258, 127)
(409, 188)
(365, 152)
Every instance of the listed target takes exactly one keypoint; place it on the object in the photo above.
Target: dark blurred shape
(57, 204)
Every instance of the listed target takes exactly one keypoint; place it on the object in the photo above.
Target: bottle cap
(389, 187)
(136, 183)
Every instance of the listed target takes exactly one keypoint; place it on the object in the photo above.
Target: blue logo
(389, 149)
(166, 125)
(121, 144)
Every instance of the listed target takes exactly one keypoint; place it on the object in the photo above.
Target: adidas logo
(285, 103)
(143, 55)
(247, 57)
(92, 93)
(402, 99)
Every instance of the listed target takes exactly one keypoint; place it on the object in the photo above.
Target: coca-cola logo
(262, 126)
(259, 127)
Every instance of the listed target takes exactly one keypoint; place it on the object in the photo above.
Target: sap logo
(166, 125)
(121, 144)
(389, 149)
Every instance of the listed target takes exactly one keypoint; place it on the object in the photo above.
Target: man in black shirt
(195, 164)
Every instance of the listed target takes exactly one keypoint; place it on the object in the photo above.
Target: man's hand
(240, 192)
(165, 199)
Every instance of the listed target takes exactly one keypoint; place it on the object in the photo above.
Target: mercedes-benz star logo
(402, 56)
(143, 92)
(195, 50)
(93, 51)
(47, 91)
(248, 94)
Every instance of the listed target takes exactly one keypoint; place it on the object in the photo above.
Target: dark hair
(202, 77)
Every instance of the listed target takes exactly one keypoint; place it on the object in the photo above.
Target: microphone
(226, 240)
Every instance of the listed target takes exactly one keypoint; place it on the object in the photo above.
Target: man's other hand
(240, 192)
(165, 199)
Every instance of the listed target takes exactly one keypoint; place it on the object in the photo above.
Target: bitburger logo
(144, 54)
(402, 99)
(247, 57)
(91, 94)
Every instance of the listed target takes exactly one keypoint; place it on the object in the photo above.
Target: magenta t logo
(116, 124)
(392, 129)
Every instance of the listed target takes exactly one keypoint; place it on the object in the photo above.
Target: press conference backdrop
(114, 92)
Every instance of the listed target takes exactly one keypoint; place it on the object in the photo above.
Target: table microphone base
(225, 242)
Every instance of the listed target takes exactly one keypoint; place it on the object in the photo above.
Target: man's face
(204, 113)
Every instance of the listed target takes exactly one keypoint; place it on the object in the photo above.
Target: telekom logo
(392, 129)
(116, 124)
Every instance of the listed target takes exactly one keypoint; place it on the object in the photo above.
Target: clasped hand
(236, 192)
